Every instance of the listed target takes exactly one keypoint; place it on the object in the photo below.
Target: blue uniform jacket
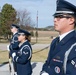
(55, 60)
(23, 59)
(14, 44)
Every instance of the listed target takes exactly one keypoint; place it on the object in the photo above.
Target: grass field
(41, 40)
(47, 33)
(40, 56)
(3, 56)
(44, 38)
(37, 56)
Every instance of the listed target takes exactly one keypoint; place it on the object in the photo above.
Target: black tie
(56, 43)
(58, 39)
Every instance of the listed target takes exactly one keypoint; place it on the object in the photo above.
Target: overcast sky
(45, 8)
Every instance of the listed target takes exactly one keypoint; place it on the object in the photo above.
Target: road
(36, 67)
(3, 46)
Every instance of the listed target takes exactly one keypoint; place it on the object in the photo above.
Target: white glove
(44, 73)
(13, 54)
(8, 48)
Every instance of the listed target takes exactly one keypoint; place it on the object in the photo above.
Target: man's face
(62, 23)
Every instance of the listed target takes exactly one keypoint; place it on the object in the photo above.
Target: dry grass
(44, 38)
(36, 56)
(40, 56)
(3, 56)
(47, 33)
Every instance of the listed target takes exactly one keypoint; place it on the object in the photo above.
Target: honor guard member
(62, 55)
(23, 57)
(14, 43)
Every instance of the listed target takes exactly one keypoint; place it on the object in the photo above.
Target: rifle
(10, 63)
(10, 66)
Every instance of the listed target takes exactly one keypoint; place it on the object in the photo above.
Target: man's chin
(56, 30)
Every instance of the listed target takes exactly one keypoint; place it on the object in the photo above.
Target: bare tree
(24, 19)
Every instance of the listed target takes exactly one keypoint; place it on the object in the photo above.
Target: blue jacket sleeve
(71, 63)
(14, 45)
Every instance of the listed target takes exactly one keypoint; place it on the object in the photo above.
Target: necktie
(58, 39)
(56, 43)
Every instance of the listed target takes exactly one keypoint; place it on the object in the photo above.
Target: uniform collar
(22, 43)
(14, 33)
(63, 35)
(68, 37)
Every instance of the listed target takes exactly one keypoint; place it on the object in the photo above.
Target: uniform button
(48, 66)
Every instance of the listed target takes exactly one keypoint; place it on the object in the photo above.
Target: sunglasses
(62, 16)
(21, 34)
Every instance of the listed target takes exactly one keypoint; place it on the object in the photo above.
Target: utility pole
(0, 21)
(37, 28)
(0, 16)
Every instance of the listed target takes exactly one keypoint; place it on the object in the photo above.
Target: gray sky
(45, 8)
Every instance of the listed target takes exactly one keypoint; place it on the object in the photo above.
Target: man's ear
(72, 20)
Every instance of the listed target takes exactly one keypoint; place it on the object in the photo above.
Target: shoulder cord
(14, 40)
(29, 49)
(66, 57)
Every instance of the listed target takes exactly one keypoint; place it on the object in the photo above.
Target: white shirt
(63, 35)
(14, 33)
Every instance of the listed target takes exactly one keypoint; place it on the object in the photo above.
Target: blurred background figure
(14, 44)
(23, 57)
